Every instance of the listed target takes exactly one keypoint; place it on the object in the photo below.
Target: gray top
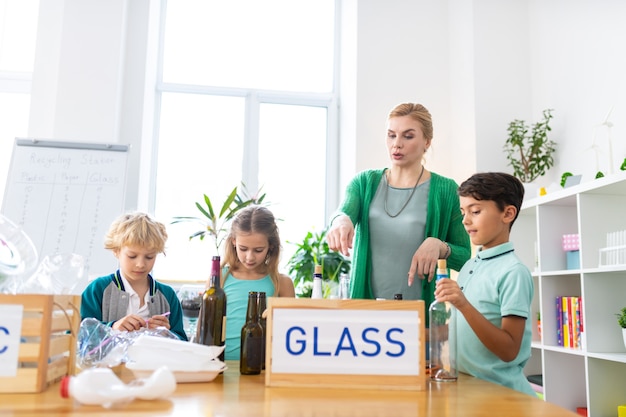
(394, 240)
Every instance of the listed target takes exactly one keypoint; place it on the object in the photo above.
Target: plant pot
(624, 336)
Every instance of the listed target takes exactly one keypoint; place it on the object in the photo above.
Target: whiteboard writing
(65, 196)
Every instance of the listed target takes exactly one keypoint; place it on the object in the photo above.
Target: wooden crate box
(48, 348)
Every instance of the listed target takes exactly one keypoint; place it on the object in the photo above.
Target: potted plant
(215, 223)
(530, 152)
(313, 250)
(621, 320)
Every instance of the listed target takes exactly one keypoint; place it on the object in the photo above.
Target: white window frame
(254, 98)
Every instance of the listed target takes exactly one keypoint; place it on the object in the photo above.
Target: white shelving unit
(595, 375)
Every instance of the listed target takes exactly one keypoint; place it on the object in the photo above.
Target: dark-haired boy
(494, 290)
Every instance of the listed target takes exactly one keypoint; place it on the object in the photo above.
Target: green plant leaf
(564, 178)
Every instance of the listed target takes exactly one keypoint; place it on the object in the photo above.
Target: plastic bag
(18, 255)
(100, 386)
(57, 274)
(102, 346)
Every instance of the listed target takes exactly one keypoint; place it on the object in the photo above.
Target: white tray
(206, 375)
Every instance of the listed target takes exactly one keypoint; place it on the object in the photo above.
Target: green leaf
(228, 201)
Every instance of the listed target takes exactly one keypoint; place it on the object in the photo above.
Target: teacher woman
(402, 218)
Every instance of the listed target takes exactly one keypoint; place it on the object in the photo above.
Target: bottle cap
(65, 387)
(318, 269)
(441, 264)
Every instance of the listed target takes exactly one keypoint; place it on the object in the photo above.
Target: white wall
(578, 67)
(476, 65)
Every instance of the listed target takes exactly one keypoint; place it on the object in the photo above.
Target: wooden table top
(232, 394)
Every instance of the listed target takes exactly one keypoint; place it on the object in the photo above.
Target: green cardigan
(443, 221)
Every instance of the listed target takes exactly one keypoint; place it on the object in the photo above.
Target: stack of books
(569, 321)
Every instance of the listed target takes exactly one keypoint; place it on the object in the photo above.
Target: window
(246, 96)
(18, 28)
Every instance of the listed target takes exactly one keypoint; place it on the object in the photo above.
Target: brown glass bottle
(212, 317)
(251, 359)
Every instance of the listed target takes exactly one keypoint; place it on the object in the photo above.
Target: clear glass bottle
(251, 356)
(317, 283)
(344, 286)
(262, 305)
(212, 318)
(442, 332)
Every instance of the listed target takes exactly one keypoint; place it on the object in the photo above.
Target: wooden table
(232, 394)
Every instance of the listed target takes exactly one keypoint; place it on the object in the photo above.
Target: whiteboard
(65, 195)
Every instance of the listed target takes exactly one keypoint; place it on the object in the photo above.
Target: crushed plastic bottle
(100, 386)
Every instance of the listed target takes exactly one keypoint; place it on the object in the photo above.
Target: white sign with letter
(10, 332)
(345, 343)
(360, 342)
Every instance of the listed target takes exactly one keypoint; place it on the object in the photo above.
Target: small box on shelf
(573, 259)
(571, 242)
(571, 246)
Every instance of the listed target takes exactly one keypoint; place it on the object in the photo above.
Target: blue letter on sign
(302, 343)
(370, 341)
(345, 335)
(396, 342)
(6, 331)
(315, 351)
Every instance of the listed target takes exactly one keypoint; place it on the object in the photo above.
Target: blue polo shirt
(497, 284)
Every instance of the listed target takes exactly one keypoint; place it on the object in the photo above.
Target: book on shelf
(569, 321)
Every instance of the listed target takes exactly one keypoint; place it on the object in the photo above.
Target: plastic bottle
(317, 283)
(442, 331)
(212, 318)
(100, 386)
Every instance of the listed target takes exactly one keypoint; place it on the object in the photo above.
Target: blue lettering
(315, 351)
(5, 347)
(395, 342)
(370, 341)
(301, 342)
(345, 335)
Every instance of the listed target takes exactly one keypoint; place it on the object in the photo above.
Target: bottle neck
(261, 304)
(252, 314)
(441, 273)
(214, 281)
(214, 278)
